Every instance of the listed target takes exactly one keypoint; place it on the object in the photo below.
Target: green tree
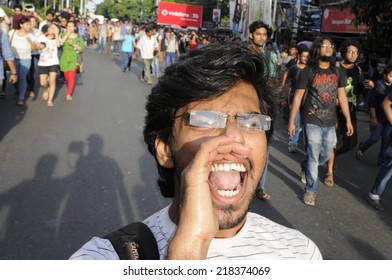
(138, 10)
(378, 16)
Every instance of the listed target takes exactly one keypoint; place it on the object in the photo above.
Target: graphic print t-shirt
(320, 104)
(353, 83)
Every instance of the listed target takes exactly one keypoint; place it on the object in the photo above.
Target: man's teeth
(228, 167)
(229, 193)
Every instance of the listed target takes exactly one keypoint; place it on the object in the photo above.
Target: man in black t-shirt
(325, 87)
(385, 166)
(292, 77)
(350, 50)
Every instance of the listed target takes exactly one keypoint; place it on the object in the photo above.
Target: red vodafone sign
(335, 20)
(179, 14)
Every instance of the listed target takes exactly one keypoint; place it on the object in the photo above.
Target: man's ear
(251, 36)
(163, 153)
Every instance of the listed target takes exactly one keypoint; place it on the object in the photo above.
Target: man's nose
(232, 129)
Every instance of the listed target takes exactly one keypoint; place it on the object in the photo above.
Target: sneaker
(303, 177)
(292, 148)
(124, 69)
(376, 204)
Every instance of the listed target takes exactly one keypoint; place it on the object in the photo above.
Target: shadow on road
(63, 213)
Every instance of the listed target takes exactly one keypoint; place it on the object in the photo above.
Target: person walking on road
(22, 43)
(73, 45)
(127, 48)
(146, 45)
(7, 57)
(325, 87)
(292, 77)
(350, 50)
(379, 125)
(259, 32)
(385, 165)
(48, 64)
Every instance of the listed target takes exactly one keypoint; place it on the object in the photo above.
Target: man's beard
(325, 58)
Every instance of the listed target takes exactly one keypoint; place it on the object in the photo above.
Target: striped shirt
(259, 239)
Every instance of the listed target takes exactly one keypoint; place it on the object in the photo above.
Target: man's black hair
(314, 55)
(203, 74)
(349, 42)
(260, 24)
(50, 12)
(18, 6)
(303, 48)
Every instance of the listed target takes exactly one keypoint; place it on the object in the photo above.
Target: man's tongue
(225, 180)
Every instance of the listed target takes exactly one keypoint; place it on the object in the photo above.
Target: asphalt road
(81, 169)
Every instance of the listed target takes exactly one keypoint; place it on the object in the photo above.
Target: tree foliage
(138, 10)
(377, 15)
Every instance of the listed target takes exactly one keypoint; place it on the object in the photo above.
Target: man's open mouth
(227, 178)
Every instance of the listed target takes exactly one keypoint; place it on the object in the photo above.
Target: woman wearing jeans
(22, 43)
(72, 45)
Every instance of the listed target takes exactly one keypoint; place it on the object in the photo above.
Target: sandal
(309, 199)
(260, 194)
(328, 180)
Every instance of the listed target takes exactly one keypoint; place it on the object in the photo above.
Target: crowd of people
(39, 47)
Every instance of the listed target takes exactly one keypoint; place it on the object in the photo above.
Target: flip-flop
(328, 180)
(309, 199)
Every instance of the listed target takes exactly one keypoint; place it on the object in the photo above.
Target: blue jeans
(101, 44)
(293, 140)
(155, 66)
(383, 131)
(319, 143)
(33, 68)
(384, 174)
(170, 58)
(22, 68)
(261, 184)
(126, 59)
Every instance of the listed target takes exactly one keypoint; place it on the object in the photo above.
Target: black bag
(134, 242)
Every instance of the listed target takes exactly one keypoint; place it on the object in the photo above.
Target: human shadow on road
(10, 115)
(28, 211)
(50, 218)
(96, 201)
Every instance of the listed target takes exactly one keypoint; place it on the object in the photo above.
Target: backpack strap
(134, 242)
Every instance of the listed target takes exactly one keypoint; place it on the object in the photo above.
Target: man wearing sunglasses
(208, 125)
(325, 87)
